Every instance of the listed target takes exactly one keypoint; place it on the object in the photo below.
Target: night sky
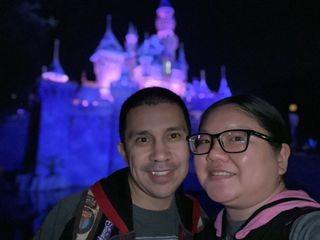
(269, 48)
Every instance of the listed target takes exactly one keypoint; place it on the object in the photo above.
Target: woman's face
(239, 180)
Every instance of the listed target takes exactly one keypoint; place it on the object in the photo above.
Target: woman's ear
(283, 158)
(122, 151)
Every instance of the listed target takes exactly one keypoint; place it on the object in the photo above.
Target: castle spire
(109, 41)
(108, 60)
(223, 74)
(56, 66)
(109, 23)
(165, 3)
(182, 62)
(55, 72)
(224, 90)
(131, 38)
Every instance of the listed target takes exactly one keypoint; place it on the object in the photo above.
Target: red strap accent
(107, 208)
(195, 213)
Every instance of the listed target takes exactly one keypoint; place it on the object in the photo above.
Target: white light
(55, 77)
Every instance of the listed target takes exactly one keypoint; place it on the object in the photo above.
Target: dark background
(269, 48)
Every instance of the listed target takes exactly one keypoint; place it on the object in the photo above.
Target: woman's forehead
(231, 116)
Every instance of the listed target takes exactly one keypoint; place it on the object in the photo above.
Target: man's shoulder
(58, 217)
(68, 204)
(72, 198)
(118, 177)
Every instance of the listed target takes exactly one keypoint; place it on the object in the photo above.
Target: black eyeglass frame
(249, 132)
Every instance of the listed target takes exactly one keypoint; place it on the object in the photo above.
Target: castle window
(167, 67)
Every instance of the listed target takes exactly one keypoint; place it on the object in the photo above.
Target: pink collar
(266, 215)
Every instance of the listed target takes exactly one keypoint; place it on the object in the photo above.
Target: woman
(241, 153)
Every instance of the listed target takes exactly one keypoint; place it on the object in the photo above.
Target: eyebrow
(180, 128)
(147, 132)
(138, 133)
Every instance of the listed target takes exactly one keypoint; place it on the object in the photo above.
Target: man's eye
(142, 140)
(174, 136)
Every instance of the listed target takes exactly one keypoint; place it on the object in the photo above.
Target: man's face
(156, 151)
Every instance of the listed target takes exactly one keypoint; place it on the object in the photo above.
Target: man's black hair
(150, 96)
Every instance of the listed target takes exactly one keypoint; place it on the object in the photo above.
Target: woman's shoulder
(306, 226)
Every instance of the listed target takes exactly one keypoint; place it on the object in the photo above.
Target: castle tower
(56, 94)
(131, 44)
(165, 25)
(165, 22)
(224, 90)
(108, 60)
(157, 64)
(182, 62)
(131, 39)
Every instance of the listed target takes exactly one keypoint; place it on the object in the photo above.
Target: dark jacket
(105, 210)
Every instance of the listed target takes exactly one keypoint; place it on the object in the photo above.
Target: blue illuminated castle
(78, 133)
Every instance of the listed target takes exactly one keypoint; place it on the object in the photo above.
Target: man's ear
(122, 151)
(283, 158)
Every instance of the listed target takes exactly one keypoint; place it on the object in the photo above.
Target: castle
(78, 132)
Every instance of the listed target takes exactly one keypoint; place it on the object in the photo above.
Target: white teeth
(221, 173)
(159, 173)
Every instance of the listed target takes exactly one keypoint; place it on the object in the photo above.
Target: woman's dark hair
(264, 113)
(150, 96)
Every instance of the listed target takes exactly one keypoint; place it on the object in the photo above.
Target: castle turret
(52, 152)
(182, 62)
(55, 72)
(224, 90)
(131, 44)
(131, 39)
(165, 25)
(108, 60)
(165, 21)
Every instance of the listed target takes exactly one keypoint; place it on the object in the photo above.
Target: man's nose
(160, 151)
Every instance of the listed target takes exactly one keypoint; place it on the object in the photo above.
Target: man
(141, 201)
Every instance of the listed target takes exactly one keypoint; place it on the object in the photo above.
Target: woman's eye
(203, 141)
(238, 139)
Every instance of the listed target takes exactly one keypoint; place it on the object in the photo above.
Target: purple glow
(95, 103)
(79, 121)
(21, 111)
(105, 94)
(76, 101)
(85, 103)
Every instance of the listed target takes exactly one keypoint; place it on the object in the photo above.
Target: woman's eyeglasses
(231, 141)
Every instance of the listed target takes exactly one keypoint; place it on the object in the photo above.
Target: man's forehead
(151, 118)
(161, 109)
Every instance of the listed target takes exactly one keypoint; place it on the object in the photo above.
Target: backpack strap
(197, 223)
(107, 207)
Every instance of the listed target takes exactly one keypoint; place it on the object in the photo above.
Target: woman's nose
(216, 152)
